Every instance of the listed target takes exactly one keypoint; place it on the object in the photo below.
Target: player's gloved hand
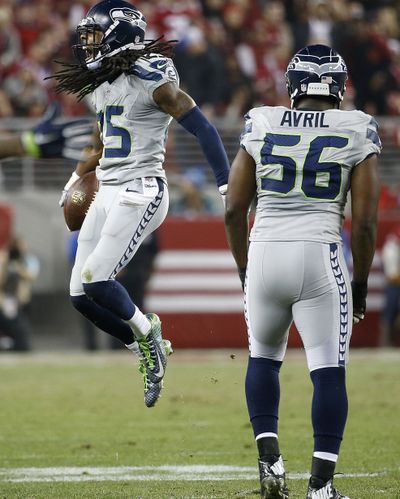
(74, 177)
(242, 276)
(54, 138)
(359, 292)
(223, 189)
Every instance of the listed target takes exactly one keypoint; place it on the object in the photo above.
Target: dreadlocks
(79, 80)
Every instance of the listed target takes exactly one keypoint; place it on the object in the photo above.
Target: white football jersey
(132, 127)
(303, 165)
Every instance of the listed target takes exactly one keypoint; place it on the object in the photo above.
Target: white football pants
(306, 282)
(118, 220)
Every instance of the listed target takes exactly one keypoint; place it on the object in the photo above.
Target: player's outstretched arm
(241, 192)
(44, 140)
(364, 212)
(50, 138)
(11, 146)
(172, 100)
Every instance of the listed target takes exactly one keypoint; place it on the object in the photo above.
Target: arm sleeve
(210, 142)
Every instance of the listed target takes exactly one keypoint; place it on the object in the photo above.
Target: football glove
(242, 276)
(52, 138)
(359, 291)
(74, 177)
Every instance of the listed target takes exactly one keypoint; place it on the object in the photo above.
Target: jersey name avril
(132, 127)
(303, 164)
(304, 119)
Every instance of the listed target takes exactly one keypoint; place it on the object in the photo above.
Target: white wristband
(223, 189)
(74, 177)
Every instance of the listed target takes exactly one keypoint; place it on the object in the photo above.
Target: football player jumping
(300, 164)
(135, 92)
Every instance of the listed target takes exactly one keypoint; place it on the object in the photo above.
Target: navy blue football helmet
(316, 70)
(109, 27)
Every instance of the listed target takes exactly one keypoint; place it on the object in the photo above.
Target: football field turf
(75, 426)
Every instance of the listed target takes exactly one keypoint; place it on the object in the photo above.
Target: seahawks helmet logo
(125, 14)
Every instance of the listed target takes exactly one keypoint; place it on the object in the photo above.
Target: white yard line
(146, 473)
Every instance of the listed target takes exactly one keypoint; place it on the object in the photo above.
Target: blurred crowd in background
(231, 54)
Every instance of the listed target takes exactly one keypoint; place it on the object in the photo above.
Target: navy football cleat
(272, 480)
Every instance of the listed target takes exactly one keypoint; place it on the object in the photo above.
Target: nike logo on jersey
(162, 65)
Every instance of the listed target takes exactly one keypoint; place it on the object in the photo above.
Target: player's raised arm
(364, 210)
(172, 100)
(241, 191)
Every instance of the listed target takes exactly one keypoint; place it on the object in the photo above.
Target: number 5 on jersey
(320, 179)
(110, 130)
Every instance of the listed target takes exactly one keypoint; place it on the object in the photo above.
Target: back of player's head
(109, 27)
(316, 70)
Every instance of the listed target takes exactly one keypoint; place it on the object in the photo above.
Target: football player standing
(135, 92)
(300, 163)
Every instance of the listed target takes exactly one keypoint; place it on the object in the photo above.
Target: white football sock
(139, 323)
(133, 347)
(267, 434)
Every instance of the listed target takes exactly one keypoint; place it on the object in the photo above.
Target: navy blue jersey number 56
(115, 131)
(313, 168)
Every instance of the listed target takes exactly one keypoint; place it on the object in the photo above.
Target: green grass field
(75, 426)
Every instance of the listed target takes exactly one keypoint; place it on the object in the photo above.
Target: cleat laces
(147, 353)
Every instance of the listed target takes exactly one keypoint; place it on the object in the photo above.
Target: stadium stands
(231, 54)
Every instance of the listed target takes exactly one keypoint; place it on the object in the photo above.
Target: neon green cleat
(153, 354)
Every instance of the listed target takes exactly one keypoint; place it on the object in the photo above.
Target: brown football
(79, 197)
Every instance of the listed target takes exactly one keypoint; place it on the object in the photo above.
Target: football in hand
(79, 197)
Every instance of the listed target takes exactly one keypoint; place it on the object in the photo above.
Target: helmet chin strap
(93, 65)
(292, 96)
